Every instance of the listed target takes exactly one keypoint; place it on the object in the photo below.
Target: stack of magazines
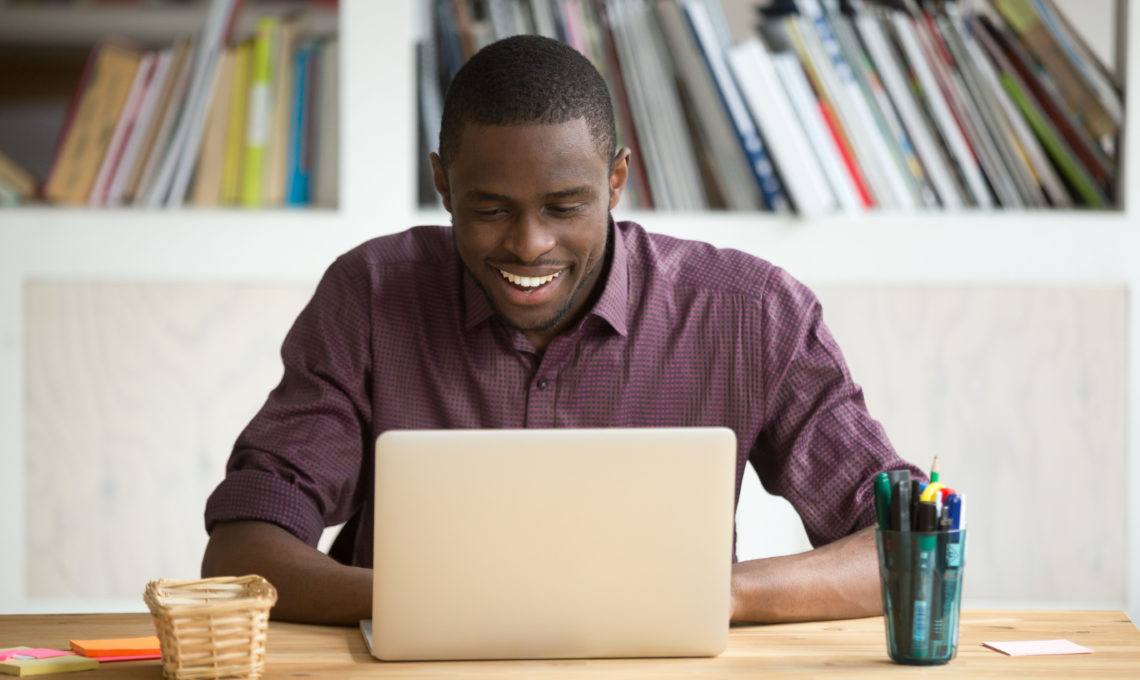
(826, 106)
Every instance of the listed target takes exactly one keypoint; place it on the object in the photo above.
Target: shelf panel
(1032, 248)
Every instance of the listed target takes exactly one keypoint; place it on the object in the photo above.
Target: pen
(951, 575)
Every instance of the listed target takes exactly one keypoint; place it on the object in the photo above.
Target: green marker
(883, 500)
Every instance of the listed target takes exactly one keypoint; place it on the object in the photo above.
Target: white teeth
(528, 281)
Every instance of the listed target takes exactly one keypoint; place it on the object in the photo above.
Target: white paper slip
(1037, 647)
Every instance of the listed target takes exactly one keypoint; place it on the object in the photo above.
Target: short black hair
(527, 79)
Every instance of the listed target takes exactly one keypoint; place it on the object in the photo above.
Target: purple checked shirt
(399, 336)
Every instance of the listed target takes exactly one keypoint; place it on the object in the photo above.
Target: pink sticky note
(34, 652)
(1034, 647)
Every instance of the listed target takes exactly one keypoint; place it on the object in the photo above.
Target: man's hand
(311, 586)
(837, 581)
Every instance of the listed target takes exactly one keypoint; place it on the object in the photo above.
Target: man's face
(530, 208)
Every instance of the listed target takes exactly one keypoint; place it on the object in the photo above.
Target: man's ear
(439, 178)
(619, 175)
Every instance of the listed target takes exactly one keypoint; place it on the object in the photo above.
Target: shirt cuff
(259, 495)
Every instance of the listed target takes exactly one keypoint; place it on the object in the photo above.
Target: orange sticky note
(117, 647)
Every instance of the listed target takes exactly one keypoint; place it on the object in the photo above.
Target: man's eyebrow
(569, 193)
(480, 195)
(489, 196)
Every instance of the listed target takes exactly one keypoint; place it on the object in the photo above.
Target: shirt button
(542, 383)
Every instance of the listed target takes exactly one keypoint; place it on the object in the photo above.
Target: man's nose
(529, 238)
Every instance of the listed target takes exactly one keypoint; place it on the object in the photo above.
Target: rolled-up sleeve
(299, 462)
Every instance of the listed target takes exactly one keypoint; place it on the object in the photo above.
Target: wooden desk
(837, 649)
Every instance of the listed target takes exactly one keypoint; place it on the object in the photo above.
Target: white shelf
(297, 245)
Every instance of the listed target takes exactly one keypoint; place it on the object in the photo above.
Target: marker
(883, 500)
(923, 580)
(946, 625)
(954, 511)
(900, 506)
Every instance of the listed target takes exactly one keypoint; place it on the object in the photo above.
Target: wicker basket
(211, 628)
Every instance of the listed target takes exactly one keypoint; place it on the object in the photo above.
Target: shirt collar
(612, 306)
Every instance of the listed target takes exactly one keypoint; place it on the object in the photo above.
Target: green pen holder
(920, 574)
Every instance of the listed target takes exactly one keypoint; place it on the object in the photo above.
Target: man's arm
(311, 586)
(839, 580)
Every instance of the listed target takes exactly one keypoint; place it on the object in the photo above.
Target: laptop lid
(523, 544)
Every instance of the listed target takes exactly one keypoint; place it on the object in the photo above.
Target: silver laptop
(529, 544)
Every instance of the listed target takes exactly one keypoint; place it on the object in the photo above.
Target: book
(259, 111)
(1073, 86)
(729, 171)
(885, 177)
(1090, 155)
(1104, 81)
(965, 112)
(637, 193)
(823, 143)
(277, 144)
(169, 107)
(999, 132)
(782, 33)
(157, 132)
(764, 95)
(890, 69)
(300, 160)
(948, 129)
(86, 137)
(207, 191)
(655, 107)
(174, 174)
(880, 105)
(326, 162)
(132, 154)
(1025, 144)
(235, 124)
(701, 24)
(1070, 169)
(113, 156)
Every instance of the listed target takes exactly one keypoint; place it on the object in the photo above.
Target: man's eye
(489, 212)
(565, 209)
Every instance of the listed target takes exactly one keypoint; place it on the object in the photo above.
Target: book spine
(298, 193)
(760, 86)
(259, 111)
(700, 23)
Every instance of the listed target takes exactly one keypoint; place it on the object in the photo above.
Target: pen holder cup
(211, 628)
(920, 574)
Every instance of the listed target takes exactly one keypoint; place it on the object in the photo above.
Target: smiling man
(536, 309)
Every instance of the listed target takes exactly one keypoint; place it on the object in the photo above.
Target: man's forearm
(311, 586)
(836, 581)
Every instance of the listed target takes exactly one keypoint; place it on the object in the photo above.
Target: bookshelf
(377, 196)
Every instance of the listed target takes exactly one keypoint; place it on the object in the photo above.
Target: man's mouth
(528, 282)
